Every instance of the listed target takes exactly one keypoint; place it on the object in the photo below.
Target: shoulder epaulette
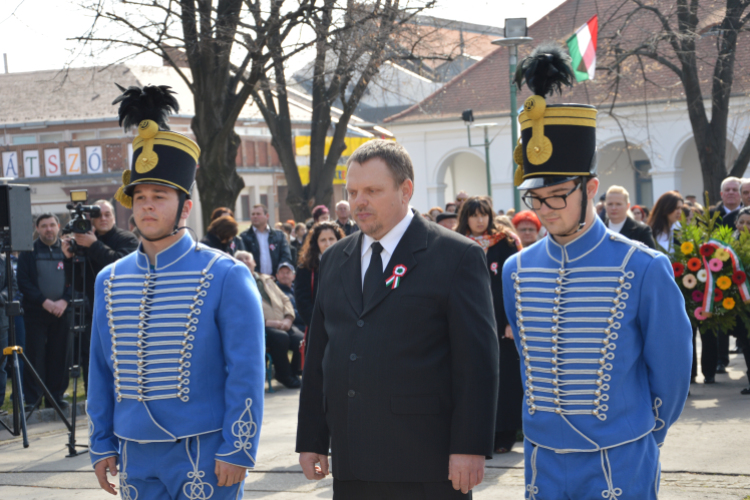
(637, 244)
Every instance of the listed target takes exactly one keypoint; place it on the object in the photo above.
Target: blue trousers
(627, 472)
(181, 470)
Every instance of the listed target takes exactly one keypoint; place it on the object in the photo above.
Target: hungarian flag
(582, 47)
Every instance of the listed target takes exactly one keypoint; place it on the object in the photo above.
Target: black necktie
(374, 274)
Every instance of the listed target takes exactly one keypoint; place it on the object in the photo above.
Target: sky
(34, 33)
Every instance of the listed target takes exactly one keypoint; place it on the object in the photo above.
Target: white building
(645, 142)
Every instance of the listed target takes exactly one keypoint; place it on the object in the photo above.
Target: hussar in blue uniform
(175, 396)
(599, 322)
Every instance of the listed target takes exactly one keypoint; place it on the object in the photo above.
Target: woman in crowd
(527, 226)
(476, 221)
(221, 234)
(503, 222)
(743, 225)
(664, 219)
(320, 214)
(321, 237)
(434, 212)
(236, 244)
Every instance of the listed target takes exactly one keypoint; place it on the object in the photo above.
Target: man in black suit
(268, 246)
(617, 204)
(728, 208)
(343, 214)
(730, 204)
(401, 373)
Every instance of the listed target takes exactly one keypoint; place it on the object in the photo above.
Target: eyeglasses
(557, 202)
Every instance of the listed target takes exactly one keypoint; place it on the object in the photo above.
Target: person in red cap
(527, 225)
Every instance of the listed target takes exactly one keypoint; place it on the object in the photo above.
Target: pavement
(706, 455)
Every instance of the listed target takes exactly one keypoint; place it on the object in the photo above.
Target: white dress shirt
(265, 264)
(617, 227)
(389, 242)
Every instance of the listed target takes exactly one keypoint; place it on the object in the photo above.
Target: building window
(55, 137)
(23, 139)
(84, 136)
(644, 193)
(109, 134)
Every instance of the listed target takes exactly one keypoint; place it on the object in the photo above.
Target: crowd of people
(45, 278)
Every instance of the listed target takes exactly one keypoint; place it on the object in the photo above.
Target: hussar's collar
(586, 243)
(169, 255)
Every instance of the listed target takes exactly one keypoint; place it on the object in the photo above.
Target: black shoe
(64, 405)
(292, 383)
(720, 368)
(745, 391)
(709, 380)
(3, 413)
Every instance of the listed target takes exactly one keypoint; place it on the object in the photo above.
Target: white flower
(701, 275)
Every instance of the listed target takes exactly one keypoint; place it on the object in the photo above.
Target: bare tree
(352, 43)
(644, 37)
(211, 34)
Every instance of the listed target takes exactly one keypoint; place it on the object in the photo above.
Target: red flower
(679, 269)
(739, 277)
(694, 264)
(718, 295)
(707, 250)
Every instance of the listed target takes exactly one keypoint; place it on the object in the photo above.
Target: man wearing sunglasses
(597, 318)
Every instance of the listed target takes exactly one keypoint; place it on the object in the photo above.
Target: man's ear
(186, 209)
(407, 188)
(592, 186)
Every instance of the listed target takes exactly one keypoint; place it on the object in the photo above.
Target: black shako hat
(159, 156)
(558, 141)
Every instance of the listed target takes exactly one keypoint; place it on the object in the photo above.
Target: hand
(101, 468)
(465, 471)
(65, 244)
(85, 239)
(508, 332)
(229, 474)
(272, 323)
(49, 306)
(285, 324)
(62, 305)
(308, 460)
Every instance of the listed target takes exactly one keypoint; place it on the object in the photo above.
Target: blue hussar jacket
(604, 339)
(177, 350)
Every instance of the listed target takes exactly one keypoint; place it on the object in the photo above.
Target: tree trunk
(217, 178)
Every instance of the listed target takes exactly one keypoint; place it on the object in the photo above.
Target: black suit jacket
(725, 219)
(638, 231)
(400, 383)
(277, 244)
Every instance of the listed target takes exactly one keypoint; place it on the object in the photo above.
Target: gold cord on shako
(558, 141)
(159, 156)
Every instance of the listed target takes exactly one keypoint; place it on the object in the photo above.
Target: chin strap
(584, 206)
(182, 197)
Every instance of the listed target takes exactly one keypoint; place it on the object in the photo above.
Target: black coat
(277, 245)
(510, 389)
(305, 291)
(28, 277)
(725, 219)
(398, 384)
(638, 231)
(108, 248)
(349, 228)
(213, 241)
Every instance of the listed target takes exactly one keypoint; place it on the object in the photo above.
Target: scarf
(487, 240)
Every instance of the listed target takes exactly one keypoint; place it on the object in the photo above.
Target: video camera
(78, 223)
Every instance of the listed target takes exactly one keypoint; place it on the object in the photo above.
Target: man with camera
(102, 245)
(45, 284)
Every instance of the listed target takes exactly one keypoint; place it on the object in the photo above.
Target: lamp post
(516, 33)
(468, 117)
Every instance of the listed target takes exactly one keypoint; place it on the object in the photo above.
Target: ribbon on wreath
(710, 290)
(398, 272)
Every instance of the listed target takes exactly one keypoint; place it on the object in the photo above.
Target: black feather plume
(546, 70)
(148, 103)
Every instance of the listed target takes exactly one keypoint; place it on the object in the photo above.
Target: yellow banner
(302, 144)
(339, 177)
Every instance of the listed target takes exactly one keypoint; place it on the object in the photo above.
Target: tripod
(15, 352)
